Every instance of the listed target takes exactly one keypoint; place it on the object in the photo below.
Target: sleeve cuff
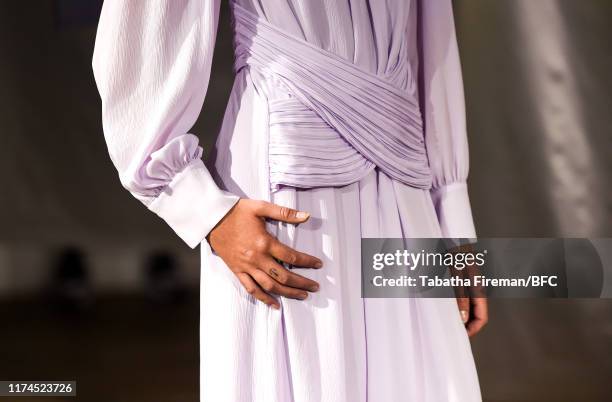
(454, 212)
(192, 204)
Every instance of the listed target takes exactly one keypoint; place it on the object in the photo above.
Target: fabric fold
(157, 173)
(346, 113)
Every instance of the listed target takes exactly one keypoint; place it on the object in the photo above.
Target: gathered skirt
(334, 346)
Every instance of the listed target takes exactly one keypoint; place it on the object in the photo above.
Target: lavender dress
(351, 110)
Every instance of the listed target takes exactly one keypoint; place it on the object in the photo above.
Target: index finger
(474, 326)
(293, 257)
(480, 312)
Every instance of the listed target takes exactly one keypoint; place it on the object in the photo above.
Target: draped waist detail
(338, 121)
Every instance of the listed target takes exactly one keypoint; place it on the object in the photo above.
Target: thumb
(280, 213)
(464, 308)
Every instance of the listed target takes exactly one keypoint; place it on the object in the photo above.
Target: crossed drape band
(339, 122)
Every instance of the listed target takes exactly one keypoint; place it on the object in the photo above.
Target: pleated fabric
(333, 346)
(379, 122)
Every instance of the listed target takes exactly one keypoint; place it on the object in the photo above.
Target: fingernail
(314, 288)
(302, 215)
(464, 316)
(304, 295)
(275, 306)
(318, 264)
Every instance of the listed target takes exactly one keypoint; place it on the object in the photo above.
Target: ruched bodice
(373, 34)
(331, 120)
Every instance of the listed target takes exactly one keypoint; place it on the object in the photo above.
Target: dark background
(95, 288)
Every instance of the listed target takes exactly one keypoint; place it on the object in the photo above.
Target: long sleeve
(152, 63)
(443, 107)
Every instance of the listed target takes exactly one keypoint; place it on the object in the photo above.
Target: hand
(474, 313)
(253, 255)
(472, 301)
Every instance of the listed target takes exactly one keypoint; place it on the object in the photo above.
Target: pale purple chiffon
(379, 120)
(288, 139)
